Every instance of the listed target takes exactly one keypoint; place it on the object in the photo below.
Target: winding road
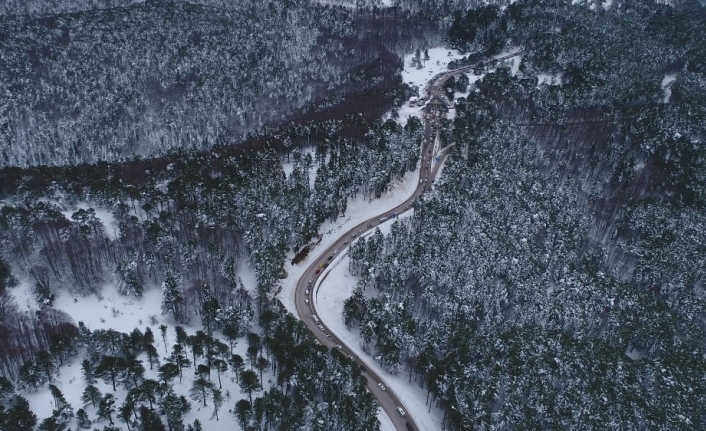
(308, 284)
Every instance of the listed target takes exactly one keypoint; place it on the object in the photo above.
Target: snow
(548, 79)
(667, 82)
(358, 210)
(385, 421)
(439, 59)
(289, 166)
(113, 310)
(102, 214)
(329, 299)
(23, 296)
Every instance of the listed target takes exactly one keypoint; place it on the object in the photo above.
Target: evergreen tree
(91, 395)
(6, 388)
(82, 420)
(109, 368)
(201, 389)
(150, 421)
(249, 382)
(106, 408)
(168, 372)
(172, 297)
(87, 372)
(261, 365)
(236, 364)
(242, 412)
(18, 416)
(174, 409)
(217, 398)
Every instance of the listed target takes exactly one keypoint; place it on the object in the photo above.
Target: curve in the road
(304, 292)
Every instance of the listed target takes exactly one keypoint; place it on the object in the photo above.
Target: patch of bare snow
(667, 82)
(439, 58)
(112, 310)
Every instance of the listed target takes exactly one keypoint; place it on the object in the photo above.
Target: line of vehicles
(317, 320)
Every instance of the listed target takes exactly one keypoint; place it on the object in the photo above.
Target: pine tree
(87, 372)
(201, 389)
(150, 421)
(91, 395)
(6, 388)
(174, 409)
(261, 364)
(106, 408)
(209, 310)
(128, 278)
(109, 368)
(242, 412)
(249, 382)
(217, 398)
(18, 416)
(221, 367)
(236, 364)
(82, 420)
(172, 297)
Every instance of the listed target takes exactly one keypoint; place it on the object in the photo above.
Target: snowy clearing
(123, 313)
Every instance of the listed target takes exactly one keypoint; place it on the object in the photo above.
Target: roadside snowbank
(329, 299)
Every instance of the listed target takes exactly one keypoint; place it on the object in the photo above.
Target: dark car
(409, 426)
(318, 271)
(363, 368)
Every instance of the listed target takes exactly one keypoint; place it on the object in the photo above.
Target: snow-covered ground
(112, 310)
(438, 62)
(329, 298)
(667, 82)
(103, 214)
(358, 211)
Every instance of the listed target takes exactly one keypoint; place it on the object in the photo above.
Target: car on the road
(335, 251)
(401, 411)
(345, 242)
(339, 347)
(328, 337)
(306, 292)
(321, 327)
(311, 280)
(306, 300)
(409, 426)
(381, 386)
(363, 368)
(315, 317)
(330, 257)
(318, 271)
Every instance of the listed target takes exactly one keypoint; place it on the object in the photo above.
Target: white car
(381, 386)
(401, 411)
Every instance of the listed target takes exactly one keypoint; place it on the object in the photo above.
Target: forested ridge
(554, 277)
(147, 79)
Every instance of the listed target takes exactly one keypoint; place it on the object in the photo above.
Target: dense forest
(147, 79)
(192, 206)
(552, 278)
(555, 276)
